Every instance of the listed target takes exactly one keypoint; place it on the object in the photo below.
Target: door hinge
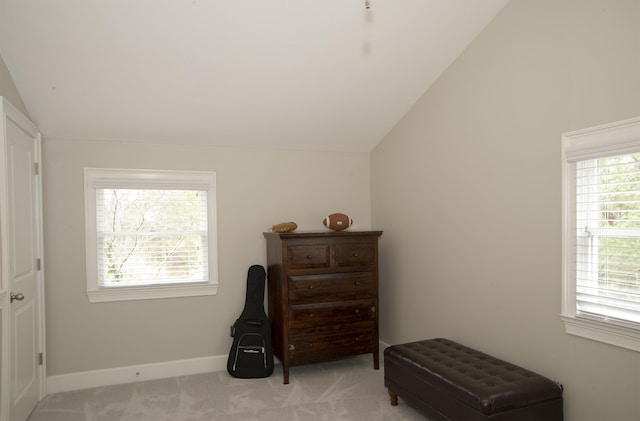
(38, 265)
(36, 168)
(40, 359)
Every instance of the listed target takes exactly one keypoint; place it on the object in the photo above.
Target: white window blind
(148, 236)
(608, 238)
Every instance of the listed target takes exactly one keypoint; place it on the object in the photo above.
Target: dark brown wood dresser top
(323, 295)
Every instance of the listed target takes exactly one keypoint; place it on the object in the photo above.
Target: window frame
(612, 139)
(95, 178)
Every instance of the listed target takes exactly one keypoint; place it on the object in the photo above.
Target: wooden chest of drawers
(323, 295)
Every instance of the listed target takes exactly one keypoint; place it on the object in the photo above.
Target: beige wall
(468, 190)
(8, 89)
(256, 189)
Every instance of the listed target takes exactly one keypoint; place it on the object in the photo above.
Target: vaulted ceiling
(289, 74)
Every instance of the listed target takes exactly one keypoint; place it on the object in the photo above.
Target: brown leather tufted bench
(450, 381)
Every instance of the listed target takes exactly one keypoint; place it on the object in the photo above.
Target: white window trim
(607, 140)
(94, 177)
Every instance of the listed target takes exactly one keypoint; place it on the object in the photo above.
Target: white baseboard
(383, 345)
(134, 373)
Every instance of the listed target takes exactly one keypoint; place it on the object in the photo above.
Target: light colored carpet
(344, 390)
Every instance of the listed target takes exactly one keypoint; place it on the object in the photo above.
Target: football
(337, 221)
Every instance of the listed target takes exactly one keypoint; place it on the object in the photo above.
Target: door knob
(19, 296)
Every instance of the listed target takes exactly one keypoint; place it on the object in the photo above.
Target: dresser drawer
(325, 346)
(331, 287)
(310, 315)
(355, 254)
(308, 256)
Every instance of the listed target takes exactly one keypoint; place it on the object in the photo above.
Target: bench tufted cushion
(484, 383)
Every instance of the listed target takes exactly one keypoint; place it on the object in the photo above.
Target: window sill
(150, 292)
(598, 330)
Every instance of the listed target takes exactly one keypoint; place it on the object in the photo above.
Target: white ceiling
(289, 74)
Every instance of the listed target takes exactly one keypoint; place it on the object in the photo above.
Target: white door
(24, 250)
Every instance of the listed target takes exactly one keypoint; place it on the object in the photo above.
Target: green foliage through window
(152, 236)
(619, 198)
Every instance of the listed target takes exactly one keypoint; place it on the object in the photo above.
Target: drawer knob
(357, 283)
(311, 315)
(357, 339)
(357, 310)
(354, 254)
(309, 257)
(310, 286)
(292, 347)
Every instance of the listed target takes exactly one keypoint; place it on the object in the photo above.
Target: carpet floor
(347, 390)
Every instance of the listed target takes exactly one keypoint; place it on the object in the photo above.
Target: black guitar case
(251, 354)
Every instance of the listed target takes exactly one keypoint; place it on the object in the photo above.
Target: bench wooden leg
(393, 396)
